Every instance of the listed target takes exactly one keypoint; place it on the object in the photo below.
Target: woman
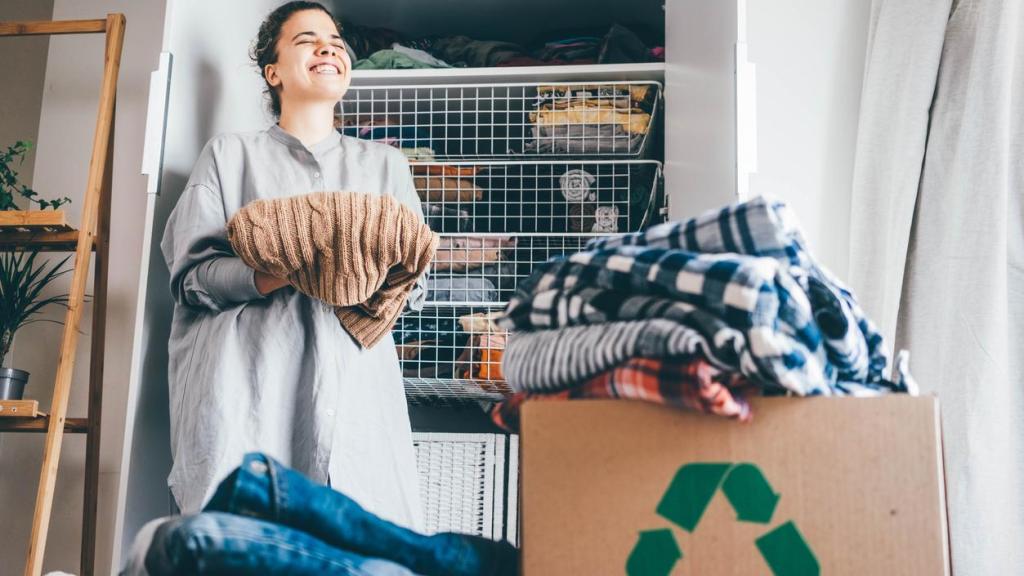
(255, 365)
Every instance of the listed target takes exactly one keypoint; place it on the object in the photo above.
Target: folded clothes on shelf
(447, 189)
(585, 217)
(391, 59)
(460, 289)
(591, 119)
(465, 51)
(436, 357)
(379, 48)
(470, 252)
(632, 120)
(444, 170)
(420, 55)
(385, 129)
(423, 154)
(447, 220)
(618, 95)
(583, 139)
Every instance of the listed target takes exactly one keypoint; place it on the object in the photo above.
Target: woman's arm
(205, 273)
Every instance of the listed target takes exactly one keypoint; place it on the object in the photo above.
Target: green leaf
(22, 282)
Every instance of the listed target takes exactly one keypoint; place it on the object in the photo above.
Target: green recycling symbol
(694, 485)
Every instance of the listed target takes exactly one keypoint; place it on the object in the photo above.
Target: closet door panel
(701, 103)
(213, 89)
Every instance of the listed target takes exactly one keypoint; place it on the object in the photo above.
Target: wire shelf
(452, 121)
(486, 269)
(451, 354)
(557, 197)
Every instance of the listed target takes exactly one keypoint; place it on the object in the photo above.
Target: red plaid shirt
(691, 383)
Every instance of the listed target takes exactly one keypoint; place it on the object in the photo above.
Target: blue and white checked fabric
(753, 295)
(766, 227)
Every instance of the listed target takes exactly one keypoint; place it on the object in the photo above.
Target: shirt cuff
(227, 280)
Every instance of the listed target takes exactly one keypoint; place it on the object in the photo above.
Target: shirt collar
(333, 140)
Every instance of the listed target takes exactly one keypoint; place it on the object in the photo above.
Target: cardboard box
(812, 485)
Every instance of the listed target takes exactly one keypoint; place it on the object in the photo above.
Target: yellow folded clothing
(361, 253)
(634, 121)
(637, 92)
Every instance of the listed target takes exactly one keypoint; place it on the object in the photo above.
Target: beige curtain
(937, 243)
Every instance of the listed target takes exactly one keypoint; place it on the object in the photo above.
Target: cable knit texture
(361, 253)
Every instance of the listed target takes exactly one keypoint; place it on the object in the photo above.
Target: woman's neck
(310, 124)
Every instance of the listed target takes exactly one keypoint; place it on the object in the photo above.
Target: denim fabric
(263, 488)
(218, 544)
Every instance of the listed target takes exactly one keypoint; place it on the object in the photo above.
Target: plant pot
(12, 383)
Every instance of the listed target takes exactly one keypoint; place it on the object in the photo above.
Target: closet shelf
(572, 73)
(453, 392)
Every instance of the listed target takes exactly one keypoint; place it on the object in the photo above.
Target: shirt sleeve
(205, 273)
(406, 193)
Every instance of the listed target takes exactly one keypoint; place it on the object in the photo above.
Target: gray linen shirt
(279, 374)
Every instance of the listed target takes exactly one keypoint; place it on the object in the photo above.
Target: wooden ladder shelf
(49, 232)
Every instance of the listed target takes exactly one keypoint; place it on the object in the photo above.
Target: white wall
(810, 66)
(67, 123)
(24, 59)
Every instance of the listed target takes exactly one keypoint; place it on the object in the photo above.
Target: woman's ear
(270, 73)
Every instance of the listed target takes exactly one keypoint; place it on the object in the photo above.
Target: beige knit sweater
(361, 253)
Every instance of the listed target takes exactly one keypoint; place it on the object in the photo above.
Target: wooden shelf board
(40, 424)
(62, 241)
(33, 28)
(48, 220)
(19, 408)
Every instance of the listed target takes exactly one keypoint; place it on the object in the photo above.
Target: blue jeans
(267, 519)
(219, 544)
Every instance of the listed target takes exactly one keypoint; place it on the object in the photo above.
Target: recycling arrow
(655, 553)
(751, 497)
(750, 494)
(786, 552)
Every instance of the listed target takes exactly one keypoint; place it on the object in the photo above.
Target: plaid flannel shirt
(685, 382)
(753, 295)
(768, 228)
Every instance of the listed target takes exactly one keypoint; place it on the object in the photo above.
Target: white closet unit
(206, 85)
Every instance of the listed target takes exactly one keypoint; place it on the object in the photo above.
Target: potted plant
(22, 280)
(21, 298)
(9, 185)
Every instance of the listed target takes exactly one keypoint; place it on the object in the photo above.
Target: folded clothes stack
(699, 313)
(598, 119)
(382, 48)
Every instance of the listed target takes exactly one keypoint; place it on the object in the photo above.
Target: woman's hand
(266, 283)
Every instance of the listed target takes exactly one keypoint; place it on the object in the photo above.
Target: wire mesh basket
(500, 219)
(462, 482)
(572, 119)
(549, 197)
(451, 354)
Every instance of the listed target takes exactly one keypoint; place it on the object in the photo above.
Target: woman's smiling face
(312, 64)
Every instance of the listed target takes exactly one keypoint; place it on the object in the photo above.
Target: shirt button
(330, 413)
(316, 174)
